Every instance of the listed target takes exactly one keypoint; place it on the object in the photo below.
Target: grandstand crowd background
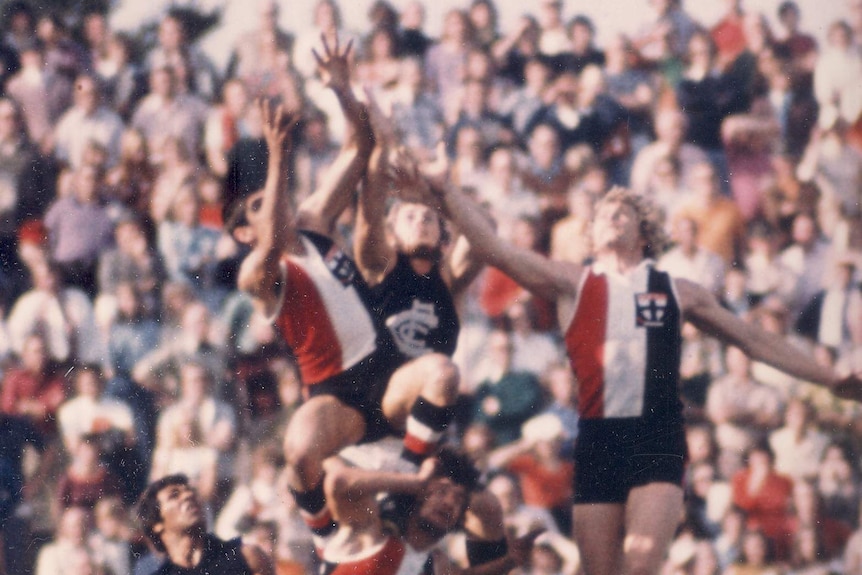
(126, 352)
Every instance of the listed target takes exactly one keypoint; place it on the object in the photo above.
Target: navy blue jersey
(418, 310)
(219, 558)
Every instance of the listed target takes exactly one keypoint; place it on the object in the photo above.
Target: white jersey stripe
(625, 350)
(348, 314)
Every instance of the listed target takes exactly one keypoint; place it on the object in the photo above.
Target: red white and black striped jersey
(324, 314)
(624, 344)
(393, 557)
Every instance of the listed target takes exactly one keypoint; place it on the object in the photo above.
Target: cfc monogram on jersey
(417, 310)
(410, 327)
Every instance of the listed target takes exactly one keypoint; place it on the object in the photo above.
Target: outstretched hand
(334, 65)
(277, 125)
(408, 183)
(849, 388)
(436, 172)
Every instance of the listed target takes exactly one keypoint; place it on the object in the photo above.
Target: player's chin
(434, 527)
(426, 251)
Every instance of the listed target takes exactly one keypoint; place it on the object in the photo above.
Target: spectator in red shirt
(766, 496)
(32, 389)
(87, 479)
(729, 33)
(546, 478)
(800, 47)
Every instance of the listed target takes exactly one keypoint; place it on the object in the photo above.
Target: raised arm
(460, 265)
(375, 255)
(703, 310)
(539, 275)
(270, 215)
(320, 211)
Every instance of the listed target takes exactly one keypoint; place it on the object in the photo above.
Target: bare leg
(419, 399)
(433, 377)
(318, 429)
(599, 534)
(653, 513)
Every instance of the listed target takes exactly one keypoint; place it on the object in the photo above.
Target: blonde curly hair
(656, 240)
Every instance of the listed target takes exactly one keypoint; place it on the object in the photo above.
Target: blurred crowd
(126, 352)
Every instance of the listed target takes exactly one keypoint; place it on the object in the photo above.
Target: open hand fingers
(317, 57)
(326, 51)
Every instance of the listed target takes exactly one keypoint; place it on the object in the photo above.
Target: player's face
(443, 505)
(416, 228)
(181, 509)
(616, 226)
(245, 233)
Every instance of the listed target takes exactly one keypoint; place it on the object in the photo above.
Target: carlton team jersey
(324, 315)
(624, 345)
(418, 310)
(219, 558)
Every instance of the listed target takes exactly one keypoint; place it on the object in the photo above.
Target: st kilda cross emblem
(651, 308)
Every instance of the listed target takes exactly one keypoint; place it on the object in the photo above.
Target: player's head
(243, 188)
(441, 507)
(169, 503)
(622, 218)
(419, 231)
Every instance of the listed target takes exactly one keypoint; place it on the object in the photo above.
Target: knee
(441, 383)
(301, 457)
(641, 557)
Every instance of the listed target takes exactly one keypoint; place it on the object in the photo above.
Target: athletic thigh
(321, 427)
(598, 531)
(430, 375)
(653, 512)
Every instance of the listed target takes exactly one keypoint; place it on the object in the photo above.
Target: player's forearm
(373, 253)
(779, 353)
(359, 134)
(496, 567)
(275, 206)
(473, 224)
(321, 210)
(355, 482)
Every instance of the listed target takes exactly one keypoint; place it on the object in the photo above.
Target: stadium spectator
(506, 398)
(87, 121)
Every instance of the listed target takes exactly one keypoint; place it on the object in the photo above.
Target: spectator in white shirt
(85, 122)
(798, 445)
(690, 261)
(838, 75)
(89, 411)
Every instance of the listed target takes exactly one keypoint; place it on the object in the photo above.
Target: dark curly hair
(149, 510)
